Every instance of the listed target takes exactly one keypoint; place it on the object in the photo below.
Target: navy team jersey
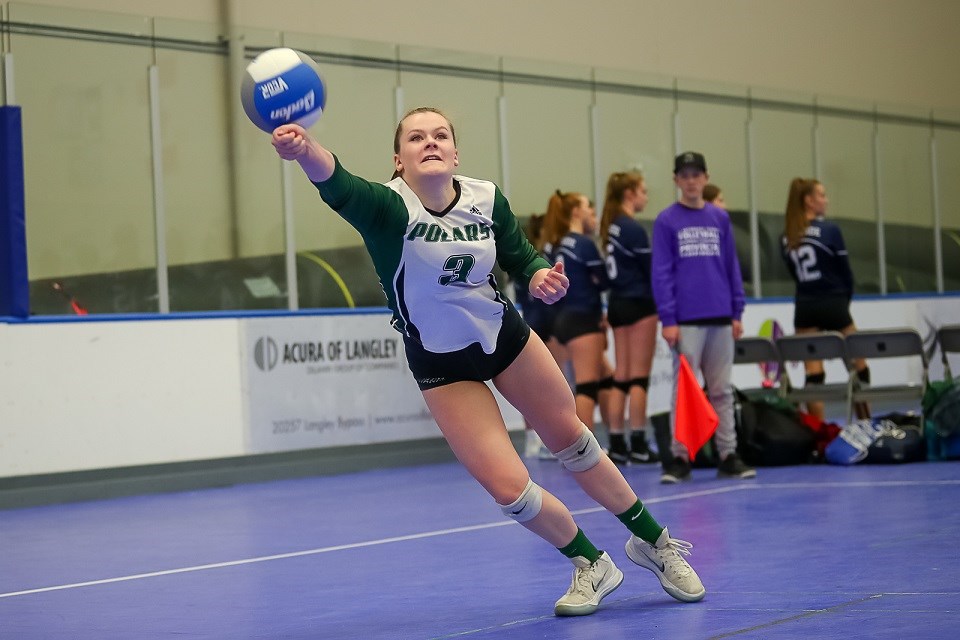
(584, 266)
(628, 259)
(820, 265)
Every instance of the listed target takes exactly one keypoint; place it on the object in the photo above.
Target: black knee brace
(623, 385)
(589, 389)
(816, 378)
(605, 384)
(863, 375)
(643, 383)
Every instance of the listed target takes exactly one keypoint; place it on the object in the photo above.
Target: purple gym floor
(422, 552)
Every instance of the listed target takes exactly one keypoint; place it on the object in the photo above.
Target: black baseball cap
(689, 160)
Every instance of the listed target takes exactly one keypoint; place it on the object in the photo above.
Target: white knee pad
(527, 506)
(583, 454)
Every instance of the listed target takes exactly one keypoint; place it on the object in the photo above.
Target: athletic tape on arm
(583, 454)
(527, 506)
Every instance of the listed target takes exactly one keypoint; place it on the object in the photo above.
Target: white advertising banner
(322, 381)
(332, 380)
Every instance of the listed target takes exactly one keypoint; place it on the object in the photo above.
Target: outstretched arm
(549, 285)
(292, 142)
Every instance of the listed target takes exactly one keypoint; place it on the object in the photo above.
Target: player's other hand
(549, 285)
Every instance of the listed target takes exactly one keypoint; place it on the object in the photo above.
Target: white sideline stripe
(340, 547)
(834, 485)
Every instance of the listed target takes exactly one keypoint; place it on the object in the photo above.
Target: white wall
(887, 51)
(81, 395)
(87, 395)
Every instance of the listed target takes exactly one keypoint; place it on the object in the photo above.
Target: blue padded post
(14, 284)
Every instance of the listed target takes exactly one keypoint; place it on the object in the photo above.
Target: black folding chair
(824, 345)
(890, 343)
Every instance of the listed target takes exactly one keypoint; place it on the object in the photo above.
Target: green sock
(641, 523)
(581, 546)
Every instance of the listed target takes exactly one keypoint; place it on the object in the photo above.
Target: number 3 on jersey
(805, 261)
(459, 266)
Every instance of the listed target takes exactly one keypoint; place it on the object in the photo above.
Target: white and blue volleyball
(282, 86)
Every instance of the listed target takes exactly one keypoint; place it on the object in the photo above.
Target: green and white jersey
(436, 268)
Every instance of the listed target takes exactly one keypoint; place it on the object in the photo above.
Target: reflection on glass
(783, 150)
(88, 174)
(846, 165)
(906, 197)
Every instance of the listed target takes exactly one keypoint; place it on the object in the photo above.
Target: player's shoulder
(632, 231)
(828, 224)
(482, 196)
(627, 223)
(477, 185)
(828, 228)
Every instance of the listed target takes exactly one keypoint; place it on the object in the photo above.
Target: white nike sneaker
(666, 561)
(591, 583)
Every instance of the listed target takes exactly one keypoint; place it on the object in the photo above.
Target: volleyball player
(816, 256)
(579, 325)
(434, 236)
(631, 313)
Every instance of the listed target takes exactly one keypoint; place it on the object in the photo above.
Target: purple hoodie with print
(695, 271)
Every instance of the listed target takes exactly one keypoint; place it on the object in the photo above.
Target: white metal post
(159, 200)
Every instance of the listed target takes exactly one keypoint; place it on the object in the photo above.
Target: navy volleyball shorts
(622, 312)
(572, 324)
(432, 370)
(825, 314)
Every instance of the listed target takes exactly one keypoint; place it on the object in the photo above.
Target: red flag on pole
(695, 419)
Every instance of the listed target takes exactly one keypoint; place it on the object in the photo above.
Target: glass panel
(718, 131)
(89, 189)
(636, 133)
(783, 150)
(846, 170)
(948, 190)
(906, 199)
(89, 172)
(206, 268)
(548, 136)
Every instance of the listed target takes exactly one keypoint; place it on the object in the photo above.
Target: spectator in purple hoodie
(699, 295)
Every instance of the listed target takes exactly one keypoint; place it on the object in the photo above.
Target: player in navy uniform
(434, 237)
(631, 313)
(579, 324)
(816, 256)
